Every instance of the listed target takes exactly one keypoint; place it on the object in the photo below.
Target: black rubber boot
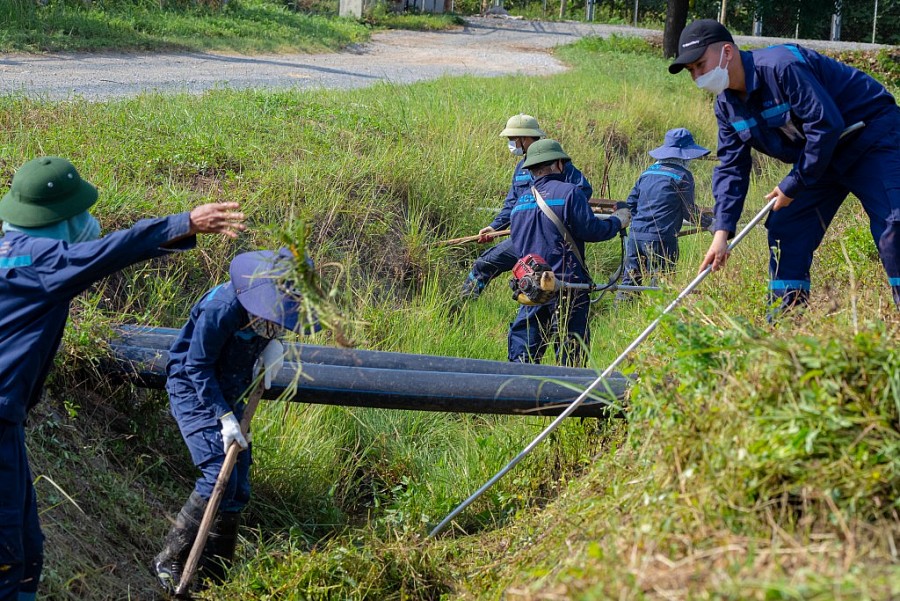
(169, 564)
(219, 551)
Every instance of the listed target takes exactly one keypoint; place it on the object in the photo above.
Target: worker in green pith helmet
(554, 220)
(51, 252)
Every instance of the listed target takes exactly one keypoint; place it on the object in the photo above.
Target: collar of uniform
(751, 81)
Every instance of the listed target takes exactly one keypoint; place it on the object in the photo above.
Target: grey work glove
(624, 216)
(231, 432)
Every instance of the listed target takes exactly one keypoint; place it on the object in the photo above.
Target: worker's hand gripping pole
(190, 567)
(584, 395)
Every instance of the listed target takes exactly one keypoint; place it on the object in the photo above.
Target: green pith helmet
(522, 126)
(45, 191)
(544, 151)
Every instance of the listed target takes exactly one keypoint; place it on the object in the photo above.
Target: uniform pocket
(777, 120)
(205, 444)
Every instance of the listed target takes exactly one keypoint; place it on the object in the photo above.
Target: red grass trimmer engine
(533, 282)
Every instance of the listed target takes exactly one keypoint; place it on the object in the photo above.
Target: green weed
(380, 16)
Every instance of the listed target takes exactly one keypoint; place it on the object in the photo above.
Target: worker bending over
(50, 252)
(838, 128)
(210, 371)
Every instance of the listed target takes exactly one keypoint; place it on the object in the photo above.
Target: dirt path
(484, 46)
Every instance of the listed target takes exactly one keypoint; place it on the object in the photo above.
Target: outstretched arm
(215, 218)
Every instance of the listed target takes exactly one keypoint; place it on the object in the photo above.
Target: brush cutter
(686, 231)
(534, 283)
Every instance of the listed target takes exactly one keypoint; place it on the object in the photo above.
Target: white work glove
(270, 362)
(231, 432)
(624, 216)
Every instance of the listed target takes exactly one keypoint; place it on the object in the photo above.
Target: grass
(728, 483)
(27, 26)
(755, 462)
(379, 16)
(141, 25)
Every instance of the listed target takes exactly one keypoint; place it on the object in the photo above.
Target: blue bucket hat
(261, 285)
(679, 144)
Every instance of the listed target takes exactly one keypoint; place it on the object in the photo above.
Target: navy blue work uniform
(565, 318)
(38, 279)
(660, 202)
(797, 105)
(209, 371)
(502, 257)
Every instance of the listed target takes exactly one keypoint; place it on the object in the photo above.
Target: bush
(806, 422)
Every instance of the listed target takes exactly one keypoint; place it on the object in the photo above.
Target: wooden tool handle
(212, 506)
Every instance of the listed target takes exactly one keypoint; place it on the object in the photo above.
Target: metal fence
(876, 21)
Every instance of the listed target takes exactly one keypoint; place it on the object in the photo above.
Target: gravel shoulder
(485, 47)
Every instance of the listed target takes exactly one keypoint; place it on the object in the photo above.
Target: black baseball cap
(695, 39)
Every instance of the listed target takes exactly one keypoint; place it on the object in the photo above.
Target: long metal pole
(874, 21)
(584, 395)
(595, 287)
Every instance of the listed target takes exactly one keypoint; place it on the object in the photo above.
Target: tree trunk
(676, 19)
(562, 9)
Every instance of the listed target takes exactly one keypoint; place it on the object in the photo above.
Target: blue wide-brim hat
(260, 282)
(679, 144)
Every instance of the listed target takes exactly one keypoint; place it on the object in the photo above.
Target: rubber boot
(169, 564)
(218, 553)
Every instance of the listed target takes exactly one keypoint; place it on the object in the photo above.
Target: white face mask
(517, 151)
(715, 81)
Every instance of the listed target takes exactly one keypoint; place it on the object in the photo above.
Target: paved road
(484, 46)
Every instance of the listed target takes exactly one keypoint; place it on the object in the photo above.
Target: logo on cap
(691, 43)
